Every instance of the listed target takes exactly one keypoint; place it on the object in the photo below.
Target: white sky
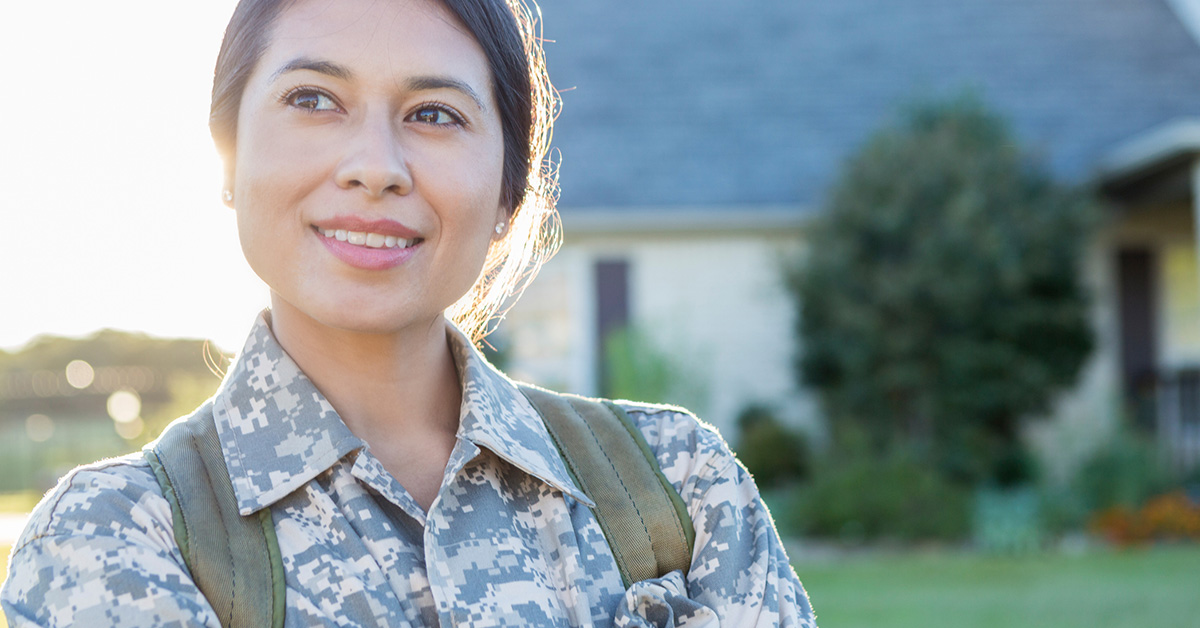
(109, 184)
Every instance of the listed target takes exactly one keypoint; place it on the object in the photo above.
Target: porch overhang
(658, 221)
(1157, 164)
(1160, 165)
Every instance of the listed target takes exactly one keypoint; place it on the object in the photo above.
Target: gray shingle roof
(707, 103)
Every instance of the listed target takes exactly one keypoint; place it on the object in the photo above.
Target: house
(699, 137)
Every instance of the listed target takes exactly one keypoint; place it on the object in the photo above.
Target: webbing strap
(234, 560)
(642, 516)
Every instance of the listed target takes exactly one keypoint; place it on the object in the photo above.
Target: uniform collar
(278, 431)
(496, 415)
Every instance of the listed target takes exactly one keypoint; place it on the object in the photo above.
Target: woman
(383, 158)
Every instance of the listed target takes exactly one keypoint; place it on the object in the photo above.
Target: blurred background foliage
(942, 310)
(773, 453)
(637, 368)
(65, 401)
(858, 495)
(945, 301)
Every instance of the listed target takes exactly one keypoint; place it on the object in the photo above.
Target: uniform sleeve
(99, 551)
(740, 575)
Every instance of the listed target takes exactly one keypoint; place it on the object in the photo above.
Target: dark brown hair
(506, 30)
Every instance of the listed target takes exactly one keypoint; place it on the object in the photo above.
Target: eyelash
(288, 98)
(442, 107)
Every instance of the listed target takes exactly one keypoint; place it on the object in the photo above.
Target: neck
(381, 384)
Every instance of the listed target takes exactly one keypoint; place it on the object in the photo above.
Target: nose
(375, 161)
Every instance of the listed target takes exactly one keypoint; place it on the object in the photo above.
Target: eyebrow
(416, 83)
(323, 67)
(421, 83)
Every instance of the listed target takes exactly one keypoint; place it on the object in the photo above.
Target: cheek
(266, 185)
(257, 247)
(469, 221)
(271, 179)
(466, 183)
(254, 214)
(270, 157)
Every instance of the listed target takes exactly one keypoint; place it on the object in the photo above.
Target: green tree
(941, 300)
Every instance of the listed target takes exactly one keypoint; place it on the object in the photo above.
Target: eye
(311, 100)
(434, 114)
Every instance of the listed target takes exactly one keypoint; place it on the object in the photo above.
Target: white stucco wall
(715, 303)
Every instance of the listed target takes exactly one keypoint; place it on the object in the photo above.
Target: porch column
(1196, 206)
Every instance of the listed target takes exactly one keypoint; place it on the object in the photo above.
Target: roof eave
(1174, 144)
(685, 220)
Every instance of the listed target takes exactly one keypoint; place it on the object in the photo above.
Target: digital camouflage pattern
(509, 540)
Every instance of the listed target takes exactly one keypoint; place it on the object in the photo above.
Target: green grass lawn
(1148, 588)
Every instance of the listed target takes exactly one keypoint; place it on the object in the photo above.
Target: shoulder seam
(52, 514)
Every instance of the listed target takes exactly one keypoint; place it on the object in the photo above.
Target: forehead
(377, 38)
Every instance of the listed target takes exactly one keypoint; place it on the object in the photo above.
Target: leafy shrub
(1063, 509)
(866, 498)
(942, 298)
(773, 453)
(1124, 474)
(637, 368)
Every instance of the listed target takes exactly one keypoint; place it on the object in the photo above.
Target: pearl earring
(499, 228)
(227, 195)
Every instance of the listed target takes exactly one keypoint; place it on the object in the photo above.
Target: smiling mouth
(369, 239)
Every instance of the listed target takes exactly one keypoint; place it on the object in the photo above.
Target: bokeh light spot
(80, 374)
(39, 428)
(124, 406)
(130, 430)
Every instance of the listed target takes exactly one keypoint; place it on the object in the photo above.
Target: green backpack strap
(234, 560)
(644, 519)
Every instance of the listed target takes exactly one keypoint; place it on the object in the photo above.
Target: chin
(354, 316)
(381, 323)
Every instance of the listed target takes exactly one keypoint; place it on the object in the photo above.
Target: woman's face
(369, 163)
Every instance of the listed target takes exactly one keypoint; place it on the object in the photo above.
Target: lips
(369, 239)
(368, 244)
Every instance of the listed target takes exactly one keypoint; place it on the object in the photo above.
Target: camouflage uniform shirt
(509, 540)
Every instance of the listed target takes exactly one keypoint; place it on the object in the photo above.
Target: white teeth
(368, 239)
